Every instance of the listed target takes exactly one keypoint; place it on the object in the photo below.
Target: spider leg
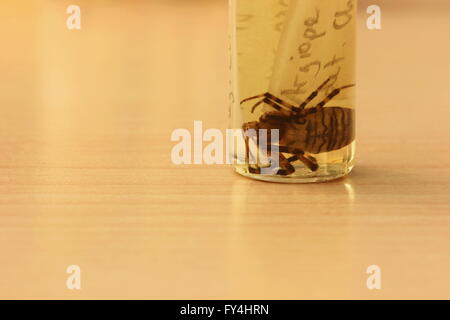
(313, 95)
(271, 100)
(254, 170)
(251, 159)
(282, 102)
(308, 161)
(247, 150)
(257, 104)
(272, 97)
(286, 168)
(245, 127)
(254, 97)
(270, 103)
(333, 94)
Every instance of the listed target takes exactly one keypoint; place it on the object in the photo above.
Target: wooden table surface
(86, 176)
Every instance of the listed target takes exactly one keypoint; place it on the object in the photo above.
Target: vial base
(332, 166)
(303, 174)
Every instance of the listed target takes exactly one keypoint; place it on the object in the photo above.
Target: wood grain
(86, 176)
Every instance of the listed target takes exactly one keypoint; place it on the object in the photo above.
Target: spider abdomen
(322, 130)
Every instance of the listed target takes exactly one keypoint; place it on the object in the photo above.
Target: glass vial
(292, 82)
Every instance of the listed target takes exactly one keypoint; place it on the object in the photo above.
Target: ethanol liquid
(289, 48)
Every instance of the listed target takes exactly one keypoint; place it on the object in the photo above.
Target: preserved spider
(303, 131)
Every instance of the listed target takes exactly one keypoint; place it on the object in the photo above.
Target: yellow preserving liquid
(287, 49)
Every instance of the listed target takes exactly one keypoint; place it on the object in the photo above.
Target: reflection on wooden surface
(86, 176)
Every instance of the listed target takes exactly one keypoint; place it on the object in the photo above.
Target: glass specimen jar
(293, 88)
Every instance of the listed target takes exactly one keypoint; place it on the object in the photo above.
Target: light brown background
(86, 176)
